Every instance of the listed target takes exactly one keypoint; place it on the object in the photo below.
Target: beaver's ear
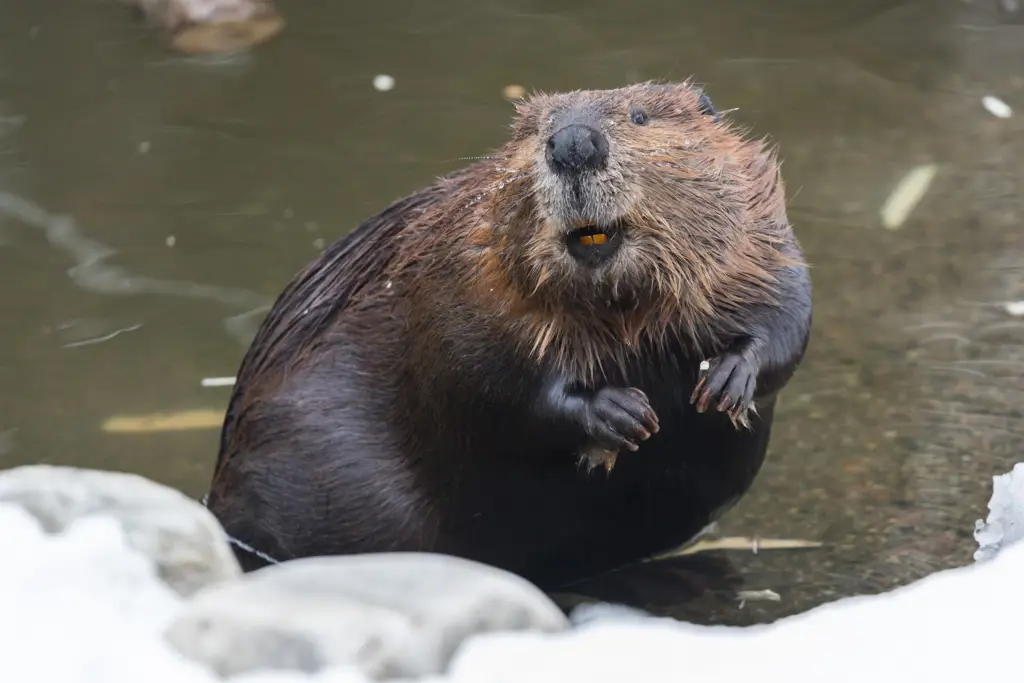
(705, 105)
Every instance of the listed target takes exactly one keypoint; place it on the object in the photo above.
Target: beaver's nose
(577, 147)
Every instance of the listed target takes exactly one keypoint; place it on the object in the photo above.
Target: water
(151, 207)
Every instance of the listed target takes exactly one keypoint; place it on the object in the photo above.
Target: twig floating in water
(739, 543)
(164, 422)
(106, 337)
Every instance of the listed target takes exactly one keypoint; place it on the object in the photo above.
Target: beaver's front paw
(729, 381)
(619, 418)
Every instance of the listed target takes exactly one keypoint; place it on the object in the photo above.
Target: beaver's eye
(637, 116)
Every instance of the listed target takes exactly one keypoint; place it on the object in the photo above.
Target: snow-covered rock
(395, 615)
(83, 601)
(179, 535)
(83, 605)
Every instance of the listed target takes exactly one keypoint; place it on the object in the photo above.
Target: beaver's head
(632, 205)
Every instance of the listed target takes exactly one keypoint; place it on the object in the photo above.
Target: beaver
(620, 278)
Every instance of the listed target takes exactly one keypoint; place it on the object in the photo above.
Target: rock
(392, 615)
(83, 606)
(180, 536)
(1005, 523)
(213, 26)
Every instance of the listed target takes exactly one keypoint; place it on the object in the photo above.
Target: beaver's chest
(528, 506)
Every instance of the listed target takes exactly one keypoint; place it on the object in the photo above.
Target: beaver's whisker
(488, 158)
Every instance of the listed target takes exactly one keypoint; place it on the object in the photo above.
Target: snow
(1005, 522)
(953, 626)
(83, 606)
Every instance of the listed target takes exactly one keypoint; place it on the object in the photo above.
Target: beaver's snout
(581, 209)
(575, 148)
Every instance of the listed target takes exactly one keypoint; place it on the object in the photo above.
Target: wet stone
(390, 615)
(181, 537)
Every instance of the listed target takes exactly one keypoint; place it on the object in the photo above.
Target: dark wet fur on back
(430, 381)
(309, 303)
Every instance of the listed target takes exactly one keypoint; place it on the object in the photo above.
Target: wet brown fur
(476, 232)
(479, 254)
(687, 282)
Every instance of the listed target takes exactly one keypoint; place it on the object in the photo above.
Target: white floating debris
(762, 595)
(907, 194)
(995, 106)
(171, 240)
(383, 82)
(218, 381)
(1015, 308)
(144, 146)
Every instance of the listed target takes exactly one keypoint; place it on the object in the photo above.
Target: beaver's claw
(729, 381)
(619, 418)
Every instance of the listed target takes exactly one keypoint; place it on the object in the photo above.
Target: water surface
(152, 206)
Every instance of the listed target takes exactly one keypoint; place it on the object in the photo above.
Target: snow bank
(88, 601)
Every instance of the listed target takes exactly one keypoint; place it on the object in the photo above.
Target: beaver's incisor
(431, 381)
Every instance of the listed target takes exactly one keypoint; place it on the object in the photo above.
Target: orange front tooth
(600, 238)
(586, 239)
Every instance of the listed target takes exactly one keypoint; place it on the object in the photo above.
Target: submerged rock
(181, 537)
(393, 615)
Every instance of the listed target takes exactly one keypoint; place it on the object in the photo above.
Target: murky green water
(152, 206)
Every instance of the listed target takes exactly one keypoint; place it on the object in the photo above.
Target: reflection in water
(9, 124)
(91, 270)
(149, 174)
